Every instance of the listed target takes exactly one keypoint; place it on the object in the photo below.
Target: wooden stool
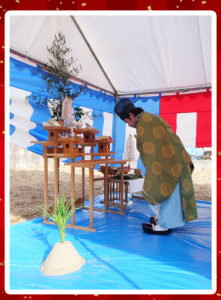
(115, 193)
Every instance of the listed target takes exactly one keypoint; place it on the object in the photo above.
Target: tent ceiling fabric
(139, 53)
(30, 35)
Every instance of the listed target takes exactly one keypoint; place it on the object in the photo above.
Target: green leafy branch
(60, 69)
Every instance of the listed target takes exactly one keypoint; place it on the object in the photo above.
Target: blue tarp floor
(119, 256)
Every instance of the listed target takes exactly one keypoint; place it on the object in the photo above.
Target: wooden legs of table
(56, 191)
(83, 183)
(91, 195)
(56, 179)
(106, 187)
(122, 189)
(45, 183)
(72, 191)
(91, 198)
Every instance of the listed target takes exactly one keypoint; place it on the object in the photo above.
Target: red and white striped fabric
(190, 117)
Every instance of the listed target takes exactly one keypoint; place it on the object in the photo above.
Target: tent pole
(115, 126)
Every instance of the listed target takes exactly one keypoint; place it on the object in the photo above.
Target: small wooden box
(104, 145)
(89, 137)
(54, 132)
(53, 150)
(70, 144)
(70, 147)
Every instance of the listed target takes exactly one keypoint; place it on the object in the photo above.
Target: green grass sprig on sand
(60, 214)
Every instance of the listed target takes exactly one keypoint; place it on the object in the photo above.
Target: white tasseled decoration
(130, 149)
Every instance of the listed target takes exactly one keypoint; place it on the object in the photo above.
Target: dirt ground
(27, 193)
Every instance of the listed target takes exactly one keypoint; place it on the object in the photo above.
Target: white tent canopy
(140, 55)
(124, 53)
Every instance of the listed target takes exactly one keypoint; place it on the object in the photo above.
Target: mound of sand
(62, 259)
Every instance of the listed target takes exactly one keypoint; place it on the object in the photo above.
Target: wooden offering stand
(59, 146)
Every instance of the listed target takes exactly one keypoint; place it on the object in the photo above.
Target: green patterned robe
(166, 162)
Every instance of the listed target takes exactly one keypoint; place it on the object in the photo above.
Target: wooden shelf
(70, 139)
(47, 126)
(92, 163)
(45, 143)
(101, 154)
(106, 140)
(88, 144)
(84, 130)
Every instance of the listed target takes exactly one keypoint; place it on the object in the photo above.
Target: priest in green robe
(168, 181)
